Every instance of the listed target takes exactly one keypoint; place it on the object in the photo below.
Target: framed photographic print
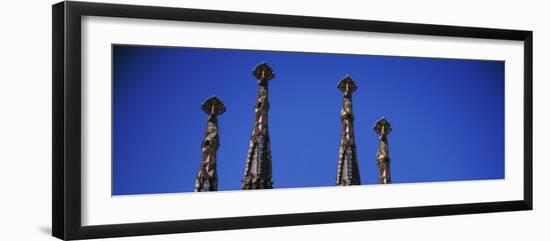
(169, 120)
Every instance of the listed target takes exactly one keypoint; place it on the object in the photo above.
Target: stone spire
(383, 128)
(348, 168)
(207, 178)
(257, 173)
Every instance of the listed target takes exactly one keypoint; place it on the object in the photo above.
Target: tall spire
(257, 173)
(383, 128)
(207, 178)
(348, 168)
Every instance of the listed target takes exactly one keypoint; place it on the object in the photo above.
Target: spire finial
(213, 106)
(263, 72)
(382, 126)
(347, 85)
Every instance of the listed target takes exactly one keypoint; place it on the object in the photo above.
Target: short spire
(383, 128)
(347, 172)
(207, 177)
(258, 173)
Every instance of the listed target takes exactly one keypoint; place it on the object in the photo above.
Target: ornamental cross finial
(382, 127)
(347, 85)
(263, 73)
(213, 106)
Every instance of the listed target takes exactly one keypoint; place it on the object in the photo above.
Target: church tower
(348, 168)
(257, 173)
(383, 128)
(207, 178)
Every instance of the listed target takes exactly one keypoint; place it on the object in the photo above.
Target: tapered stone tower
(207, 178)
(257, 172)
(348, 168)
(383, 128)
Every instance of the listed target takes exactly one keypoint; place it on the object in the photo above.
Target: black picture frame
(66, 75)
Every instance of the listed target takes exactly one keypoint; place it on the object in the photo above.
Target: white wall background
(25, 121)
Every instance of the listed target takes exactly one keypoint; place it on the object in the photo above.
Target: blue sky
(447, 116)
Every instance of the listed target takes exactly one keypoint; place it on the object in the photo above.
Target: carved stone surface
(258, 173)
(383, 128)
(348, 168)
(207, 178)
